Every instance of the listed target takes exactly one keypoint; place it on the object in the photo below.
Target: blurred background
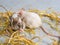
(38, 4)
(15, 5)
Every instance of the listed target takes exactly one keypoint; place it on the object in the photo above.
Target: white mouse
(32, 20)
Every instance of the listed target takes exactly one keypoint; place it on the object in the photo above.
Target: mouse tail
(48, 33)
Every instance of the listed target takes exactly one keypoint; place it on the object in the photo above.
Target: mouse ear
(20, 12)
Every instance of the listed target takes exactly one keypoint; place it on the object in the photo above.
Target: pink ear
(21, 11)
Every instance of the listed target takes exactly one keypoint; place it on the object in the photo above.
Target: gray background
(39, 4)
